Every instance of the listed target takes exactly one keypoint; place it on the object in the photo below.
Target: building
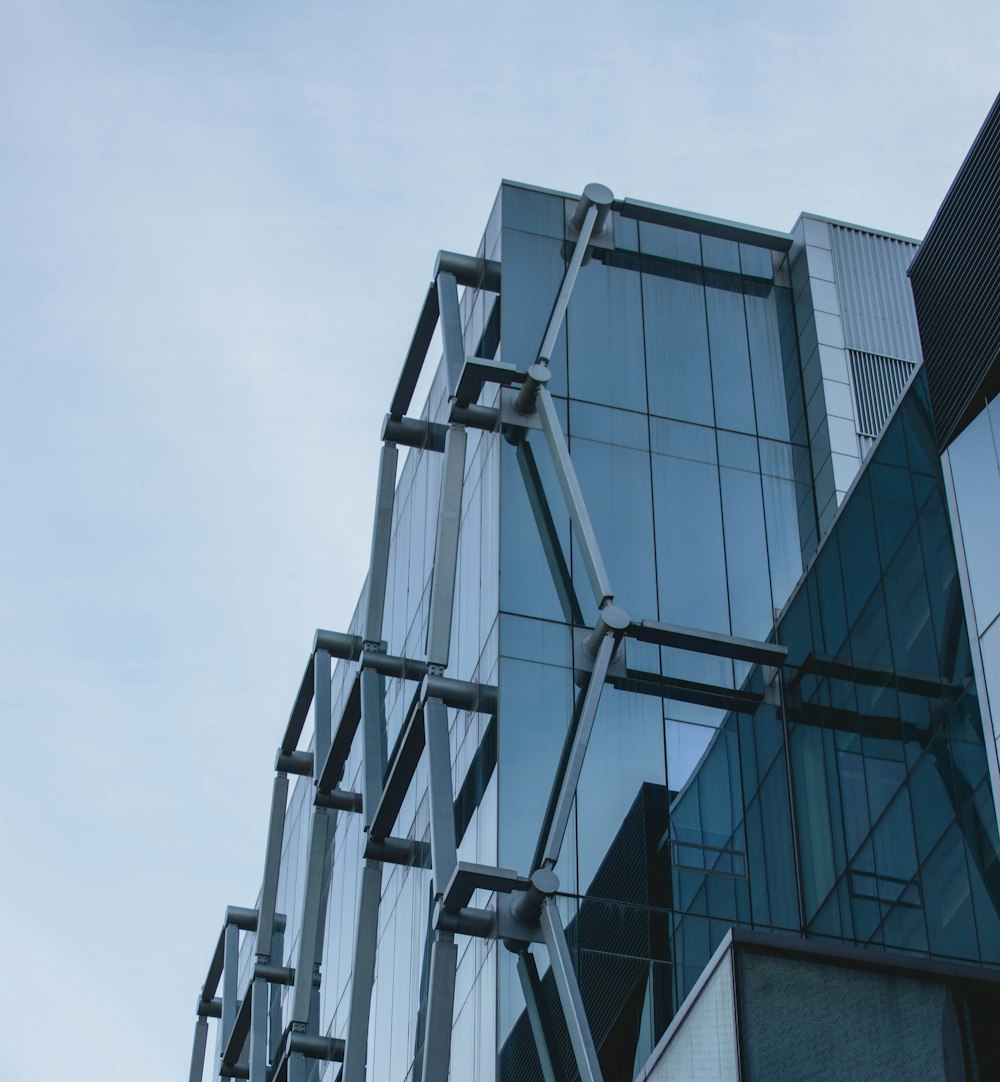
(657, 734)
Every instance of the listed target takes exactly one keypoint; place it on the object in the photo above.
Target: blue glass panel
(720, 254)
(746, 553)
(607, 357)
(678, 369)
(532, 212)
(690, 556)
(669, 243)
(769, 381)
(727, 333)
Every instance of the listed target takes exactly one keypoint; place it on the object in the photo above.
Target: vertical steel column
(446, 548)
(450, 321)
(531, 986)
(572, 494)
(440, 1008)
(258, 1030)
(230, 985)
(272, 867)
(363, 973)
(198, 1050)
(309, 931)
(569, 994)
(373, 762)
(378, 567)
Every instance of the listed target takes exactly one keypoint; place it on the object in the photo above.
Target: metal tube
(569, 995)
(483, 417)
(527, 906)
(338, 644)
(594, 195)
(413, 432)
(575, 504)
(541, 1027)
(566, 289)
(578, 751)
(470, 270)
(612, 620)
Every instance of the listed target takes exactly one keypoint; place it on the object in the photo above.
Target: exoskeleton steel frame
(524, 910)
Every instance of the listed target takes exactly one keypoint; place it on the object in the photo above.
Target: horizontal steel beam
(467, 878)
(470, 270)
(339, 800)
(414, 432)
(709, 642)
(460, 694)
(485, 418)
(403, 851)
(406, 668)
(338, 644)
(295, 762)
(478, 371)
(313, 1046)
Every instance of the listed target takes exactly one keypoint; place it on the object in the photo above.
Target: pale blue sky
(217, 223)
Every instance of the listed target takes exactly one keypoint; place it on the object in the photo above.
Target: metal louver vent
(878, 382)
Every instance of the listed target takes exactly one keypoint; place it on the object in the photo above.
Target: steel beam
(363, 973)
(414, 432)
(322, 709)
(373, 737)
(444, 848)
(709, 642)
(343, 737)
(440, 1008)
(446, 549)
(399, 775)
(569, 778)
(538, 1018)
(415, 355)
(569, 994)
(323, 822)
(573, 495)
(198, 1050)
(300, 708)
(230, 979)
(566, 289)
(452, 340)
(471, 270)
(378, 565)
(479, 370)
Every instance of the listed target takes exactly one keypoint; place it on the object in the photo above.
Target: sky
(217, 223)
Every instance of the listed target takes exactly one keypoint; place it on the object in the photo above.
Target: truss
(524, 913)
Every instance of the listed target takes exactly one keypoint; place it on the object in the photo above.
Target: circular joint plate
(545, 881)
(615, 617)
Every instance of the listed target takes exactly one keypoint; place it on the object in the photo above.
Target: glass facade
(843, 797)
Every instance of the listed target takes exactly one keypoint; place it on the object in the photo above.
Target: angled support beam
(322, 708)
(415, 355)
(538, 1018)
(440, 1007)
(300, 708)
(573, 495)
(313, 897)
(709, 642)
(446, 549)
(233, 1048)
(373, 741)
(363, 973)
(452, 341)
(568, 779)
(555, 323)
(198, 1050)
(569, 994)
(444, 848)
(343, 736)
(378, 566)
(399, 775)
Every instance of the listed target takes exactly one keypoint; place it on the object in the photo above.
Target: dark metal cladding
(956, 286)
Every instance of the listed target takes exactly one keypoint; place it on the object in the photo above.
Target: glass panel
(678, 370)
(607, 357)
(727, 332)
